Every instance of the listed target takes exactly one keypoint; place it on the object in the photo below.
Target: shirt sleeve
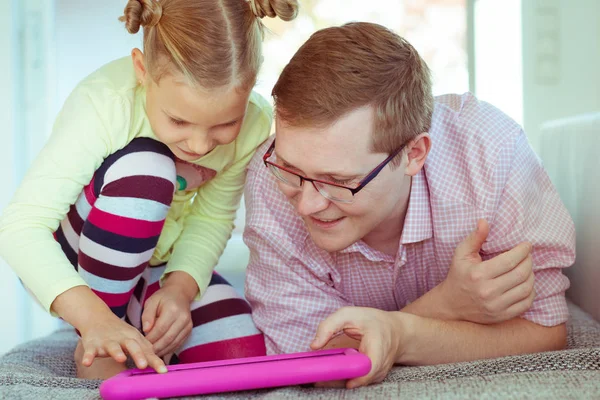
(209, 224)
(289, 292)
(80, 141)
(528, 208)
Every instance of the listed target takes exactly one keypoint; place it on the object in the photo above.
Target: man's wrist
(437, 303)
(406, 326)
(446, 311)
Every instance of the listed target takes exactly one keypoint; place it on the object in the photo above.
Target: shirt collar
(417, 223)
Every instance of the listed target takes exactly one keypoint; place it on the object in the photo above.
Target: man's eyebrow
(323, 173)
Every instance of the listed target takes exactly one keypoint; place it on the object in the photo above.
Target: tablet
(237, 374)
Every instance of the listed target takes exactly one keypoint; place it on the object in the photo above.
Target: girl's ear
(139, 66)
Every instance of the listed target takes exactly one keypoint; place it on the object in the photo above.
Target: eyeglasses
(329, 190)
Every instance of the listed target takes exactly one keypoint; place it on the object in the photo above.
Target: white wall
(561, 60)
(8, 283)
(88, 35)
(497, 55)
(27, 66)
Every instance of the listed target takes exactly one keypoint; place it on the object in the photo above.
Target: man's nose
(310, 200)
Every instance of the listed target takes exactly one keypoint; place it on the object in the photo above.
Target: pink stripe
(89, 192)
(130, 227)
(114, 299)
(247, 346)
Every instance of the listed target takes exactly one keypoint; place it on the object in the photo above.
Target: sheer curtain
(26, 104)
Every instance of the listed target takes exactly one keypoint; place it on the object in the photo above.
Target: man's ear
(417, 151)
(139, 65)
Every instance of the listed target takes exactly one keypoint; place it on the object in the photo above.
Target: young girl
(120, 221)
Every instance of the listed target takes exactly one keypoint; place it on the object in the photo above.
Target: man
(418, 230)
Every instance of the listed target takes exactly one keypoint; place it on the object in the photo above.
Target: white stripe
(145, 163)
(113, 257)
(132, 207)
(70, 234)
(222, 329)
(134, 312)
(106, 285)
(82, 206)
(153, 274)
(216, 293)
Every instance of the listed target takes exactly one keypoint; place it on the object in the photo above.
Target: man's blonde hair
(213, 43)
(343, 68)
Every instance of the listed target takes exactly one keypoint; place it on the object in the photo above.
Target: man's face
(341, 154)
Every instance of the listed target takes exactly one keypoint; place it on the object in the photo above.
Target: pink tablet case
(237, 374)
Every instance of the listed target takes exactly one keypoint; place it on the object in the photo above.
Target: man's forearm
(427, 341)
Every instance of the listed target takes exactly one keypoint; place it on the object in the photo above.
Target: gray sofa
(44, 369)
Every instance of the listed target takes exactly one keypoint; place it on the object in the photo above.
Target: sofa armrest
(569, 151)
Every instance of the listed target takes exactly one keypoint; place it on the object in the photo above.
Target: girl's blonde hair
(214, 43)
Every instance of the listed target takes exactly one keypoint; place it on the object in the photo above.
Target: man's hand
(166, 320)
(491, 291)
(379, 332)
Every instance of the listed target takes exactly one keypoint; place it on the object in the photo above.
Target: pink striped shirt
(480, 166)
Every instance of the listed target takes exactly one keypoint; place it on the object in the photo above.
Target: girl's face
(192, 121)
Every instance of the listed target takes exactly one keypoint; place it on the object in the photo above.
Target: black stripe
(118, 242)
(218, 280)
(66, 248)
(139, 288)
(120, 310)
(219, 310)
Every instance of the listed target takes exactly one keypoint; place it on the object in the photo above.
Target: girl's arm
(82, 137)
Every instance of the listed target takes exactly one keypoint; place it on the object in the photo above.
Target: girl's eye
(177, 122)
(232, 123)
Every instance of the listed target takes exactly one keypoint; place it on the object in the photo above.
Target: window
(436, 28)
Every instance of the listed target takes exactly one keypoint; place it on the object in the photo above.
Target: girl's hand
(103, 334)
(166, 320)
(109, 336)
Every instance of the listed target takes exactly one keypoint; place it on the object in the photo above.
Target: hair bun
(146, 13)
(287, 10)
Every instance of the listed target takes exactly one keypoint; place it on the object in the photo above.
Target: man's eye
(344, 182)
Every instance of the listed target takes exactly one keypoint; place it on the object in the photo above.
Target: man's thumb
(472, 243)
